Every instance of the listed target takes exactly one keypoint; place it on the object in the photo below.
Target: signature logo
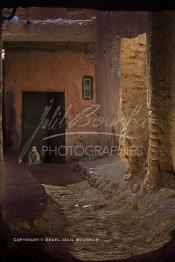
(86, 123)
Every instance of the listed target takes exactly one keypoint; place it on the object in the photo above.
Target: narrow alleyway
(86, 225)
(93, 228)
(87, 107)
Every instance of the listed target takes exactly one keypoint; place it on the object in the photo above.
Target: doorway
(43, 124)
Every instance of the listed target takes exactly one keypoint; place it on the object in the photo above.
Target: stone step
(105, 176)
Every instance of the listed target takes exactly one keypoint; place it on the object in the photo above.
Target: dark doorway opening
(43, 117)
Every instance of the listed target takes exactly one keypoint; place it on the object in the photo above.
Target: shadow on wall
(9, 132)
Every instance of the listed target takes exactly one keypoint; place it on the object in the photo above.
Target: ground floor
(65, 216)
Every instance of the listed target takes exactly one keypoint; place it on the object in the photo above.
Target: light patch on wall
(65, 21)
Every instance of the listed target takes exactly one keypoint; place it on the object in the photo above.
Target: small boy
(33, 156)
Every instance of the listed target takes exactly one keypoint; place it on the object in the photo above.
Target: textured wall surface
(172, 90)
(111, 28)
(161, 42)
(53, 31)
(28, 70)
(103, 29)
(51, 25)
(44, 24)
(107, 79)
(133, 111)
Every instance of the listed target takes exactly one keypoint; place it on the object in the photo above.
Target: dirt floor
(89, 227)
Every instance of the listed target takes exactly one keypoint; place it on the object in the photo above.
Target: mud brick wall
(44, 70)
(161, 42)
(103, 30)
(108, 85)
(112, 28)
(133, 112)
